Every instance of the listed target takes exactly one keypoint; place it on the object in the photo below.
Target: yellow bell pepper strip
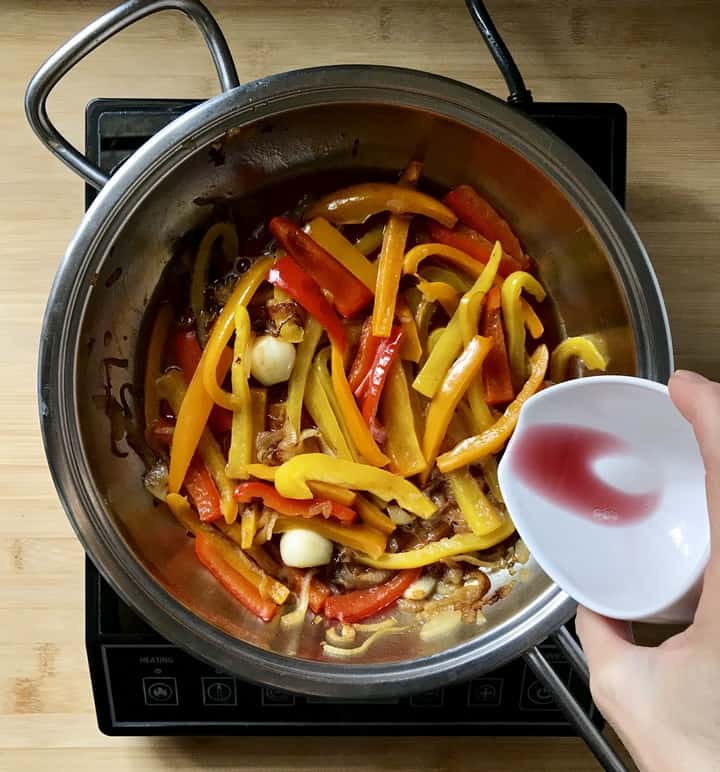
(234, 557)
(320, 490)
(480, 515)
(580, 347)
(357, 537)
(351, 415)
(396, 413)
(433, 338)
(423, 316)
(531, 320)
(513, 319)
(479, 424)
(292, 481)
(457, 281)
(321, 411)
(371, 241)
(154, 364)
(248, 526)
(442, 408)
(228, 234)
(258, 400)
(440, 292)
(474, 449)
(372, 515)
(460, 544)
(346, 253)
(299, 375)
(321, 370)
(281, 320)
(223, 329)
(172, 388)
(444, 253)
(357, 203)
(242, 438)
(410, 347)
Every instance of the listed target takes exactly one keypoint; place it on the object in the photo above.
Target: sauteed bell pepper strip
(476, 212)
(489, 464)
(346, 253)
(410, 346)
(433, 372)
(440, 292)
(388, 353)
(396, 413)
(357, 203)
(246, 492)
(361, 604)
(582, 348)
(321, 369)
(390, 260)
(288, 329)
(198, 282)
(292, 480)
(351, 416)
(321, 411)
(423, 316)
(202, 490)
(367, 348)
(479, 513)
(222, 331)
(321, 490)
(497, 377)
(443, 405)
(513, 319)
(171, 387)
(242, 439)
(370, 241)
(188, 354)
(154, 364)
(298, 378)
(349, 294)
(266, 585)
(357, 537)
(474, 449)
(248, 526)
(472, 243)
(531, 320)
(233, 581)
(444, 253)
(288, 275)
(460, 544)
(372, 515)
(258, 401)
(460, 282)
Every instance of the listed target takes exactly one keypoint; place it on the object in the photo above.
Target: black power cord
(519, 94)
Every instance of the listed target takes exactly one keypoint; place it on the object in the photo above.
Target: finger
(698, 399)
(602, 639)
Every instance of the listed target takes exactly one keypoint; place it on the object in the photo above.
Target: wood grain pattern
(659, 59)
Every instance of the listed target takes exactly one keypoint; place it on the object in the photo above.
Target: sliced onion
(357, 651)
(398, 515)
(440, 625)
(297, 616)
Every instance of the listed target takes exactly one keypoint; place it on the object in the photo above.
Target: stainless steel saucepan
(275, 129)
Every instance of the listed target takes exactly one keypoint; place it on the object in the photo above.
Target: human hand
(664, 702)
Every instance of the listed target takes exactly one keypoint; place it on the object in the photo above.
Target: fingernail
(689, 376)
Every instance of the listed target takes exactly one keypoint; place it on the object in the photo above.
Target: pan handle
(600, 747)
(87, 40)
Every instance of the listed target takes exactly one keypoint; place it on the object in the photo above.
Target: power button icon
(219, 691)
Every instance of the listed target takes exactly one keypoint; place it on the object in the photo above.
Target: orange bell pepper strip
(247, 491)
(357, 203)
(372, 515)
(475, 211)
(349, 294)
(346, 253)
(398, 419)
(361, 604)
(233, 581)
(472, 243)
(353, 419)
(497, 378)
(443, 405)
(358, 537)
(388, 352)
(203, 492)
(474, 449)
(411, 349)
(367, 348)
(320, 490)
(391, 260)
(154, 364)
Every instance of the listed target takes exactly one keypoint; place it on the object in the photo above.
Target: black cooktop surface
(143, 684)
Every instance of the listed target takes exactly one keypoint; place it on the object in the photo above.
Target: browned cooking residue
(114, 276)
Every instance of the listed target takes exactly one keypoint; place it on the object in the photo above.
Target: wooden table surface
(659, 59)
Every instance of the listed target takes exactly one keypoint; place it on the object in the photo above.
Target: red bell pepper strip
(247, 491)
(472, 243)
(497, 377)
(289, 276)
(232, 581)
(475, 211)
(365, 356)
(202, 490)
(350, 295)
(187, 354)
(387, 353)
(162, 431)
(360, 604)
(319, 591)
